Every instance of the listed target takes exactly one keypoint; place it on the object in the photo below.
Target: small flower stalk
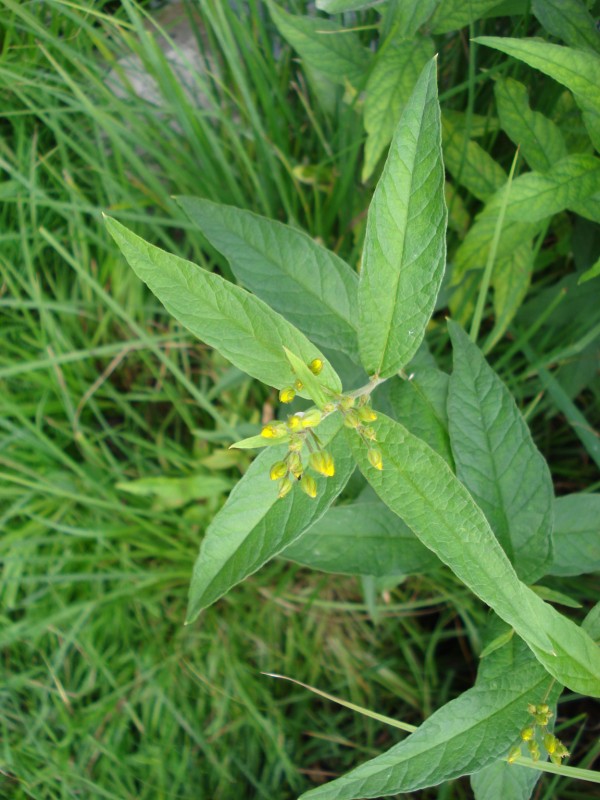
(299, 430)
(535, 736)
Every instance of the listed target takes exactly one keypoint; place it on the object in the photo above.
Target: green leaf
(451, 15)
(417, 484)
(540, 139)
(568, 20)
(405, 17)
(334, 51)
(257, 442)
(578, 70)
(391, 82)
(592, 272)
(498, 461)
(363, 538)
(449, 743)
(176, 492)
(469, 163)
(503, 780)
(306, 283)
(339, 6)
(405, 247)
(254, 525)
(312, 383)
(237, 324)
(533, 198)
(420, 403)
(576, 534)
(510, 279)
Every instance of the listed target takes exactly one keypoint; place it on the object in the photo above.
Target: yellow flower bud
(531, 708)
(295, 444)
(298, 384)
(527, 734)
(369, 433)
(346, 402)
(322, 462)
(328, 408)
(273, 430)
(287, 395)
(367, 414)
(294, 423)
(375, 459)
(351, 419)
(285, 487)
(278, 470)
(309, 485)
(311, 419)
(514, 753)
(295, 464)
(534, 750)
(550, 743)
(315, 366)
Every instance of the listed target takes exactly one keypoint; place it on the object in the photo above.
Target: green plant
(471, 487)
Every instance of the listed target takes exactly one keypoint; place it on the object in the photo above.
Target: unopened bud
(550, 743)
(328, 408)
(278, 470)
(273, 430)
(311, 419)
(375, 459)
(351, 418)
(294, 423)
(367, 414)
(295, 444)
(298, 384)
(315, 366)
(527, 733)
(346, 402)
(309, 485)
(322, 462)
(295, 465)
(287, 395)
(285, 487)
(514, 753)
(531, 708)
(369, 433)
(534, 749)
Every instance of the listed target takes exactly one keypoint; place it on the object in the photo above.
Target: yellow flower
(322, 462)
(287, 395)
(278, 470)
(315, 366)
(375, 459)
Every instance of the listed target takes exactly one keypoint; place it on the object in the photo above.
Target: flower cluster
(537, 731)
(305, 450)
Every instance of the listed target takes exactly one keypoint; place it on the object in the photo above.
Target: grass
(103, 692)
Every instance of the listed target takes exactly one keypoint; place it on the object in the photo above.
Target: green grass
(103, 692)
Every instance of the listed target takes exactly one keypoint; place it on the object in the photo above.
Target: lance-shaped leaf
(449, 743)
(540, 139)
(498, 461)
(306, 283)
(255, 525)
(453, 14)
(339, 6)
(578, 70)
(420, 403)
(363, 538)
(417, 484)
(390, 85)
(230, 319)
(570, 21)
(333, 51)
(533, 198)
(468, 162)
(405, 242)
(576, 535)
